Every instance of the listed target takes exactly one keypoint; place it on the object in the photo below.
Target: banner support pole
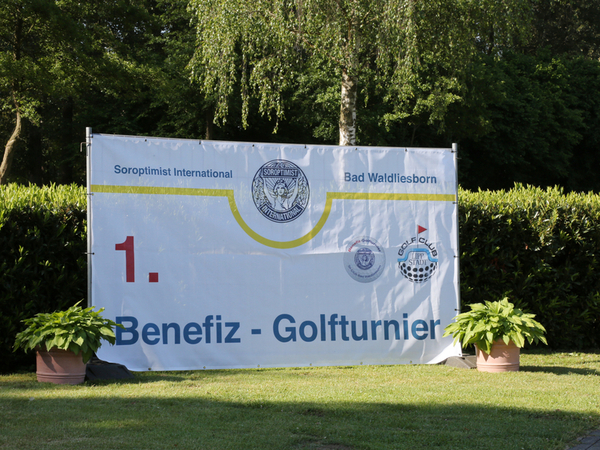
(457, 257)
(88, 147)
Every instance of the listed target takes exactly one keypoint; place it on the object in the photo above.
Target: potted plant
(499, 331)
(64, 342)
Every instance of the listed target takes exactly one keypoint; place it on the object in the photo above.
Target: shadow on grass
(15, 381)
(198, 375)
(203, 423)
(557, 370)
(541, 349)
(194, 414)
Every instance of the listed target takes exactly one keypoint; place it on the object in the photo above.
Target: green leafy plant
(485, 324)
(76, 329)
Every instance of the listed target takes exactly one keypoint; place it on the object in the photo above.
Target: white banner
(231, 255)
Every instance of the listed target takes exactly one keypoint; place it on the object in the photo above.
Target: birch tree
(407, 46)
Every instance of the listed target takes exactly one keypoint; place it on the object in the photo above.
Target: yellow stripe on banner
(160, 190)
(228, 193)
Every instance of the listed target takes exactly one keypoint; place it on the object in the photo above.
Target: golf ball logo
(417, 259)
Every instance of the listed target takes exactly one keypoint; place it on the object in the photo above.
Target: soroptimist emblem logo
(365, 260)
(417, 258)
(280, 191)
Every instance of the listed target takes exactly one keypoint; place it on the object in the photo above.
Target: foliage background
(528, 109)
(538, 247)
(43, 258)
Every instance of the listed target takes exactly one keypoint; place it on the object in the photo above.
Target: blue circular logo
(280, 191)
(364, 260)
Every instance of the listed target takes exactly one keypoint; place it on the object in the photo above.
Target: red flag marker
(421, 229)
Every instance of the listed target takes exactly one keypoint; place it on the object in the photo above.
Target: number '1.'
(127, 246)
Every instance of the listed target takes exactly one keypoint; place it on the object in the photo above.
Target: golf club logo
(417, 258)
(280, 191)
(364, 260)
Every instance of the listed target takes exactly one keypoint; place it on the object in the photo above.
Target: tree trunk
(67, 150)
(10, 147)
(209, 131)
(350, 85)
(348, 109)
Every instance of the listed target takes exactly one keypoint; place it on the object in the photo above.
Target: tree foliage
(35, 51)
(514, 82)
(529, 119)
(58, 59)
(567, 27)
(413, 51)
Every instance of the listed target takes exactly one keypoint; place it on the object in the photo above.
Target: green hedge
(541, 248)
(43, 262)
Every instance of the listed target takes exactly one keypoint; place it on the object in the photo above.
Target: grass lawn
(551, 401)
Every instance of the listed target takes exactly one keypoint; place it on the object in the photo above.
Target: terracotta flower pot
(502, 358)
(59, 367)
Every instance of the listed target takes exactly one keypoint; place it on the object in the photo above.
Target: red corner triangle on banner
(421, 229)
